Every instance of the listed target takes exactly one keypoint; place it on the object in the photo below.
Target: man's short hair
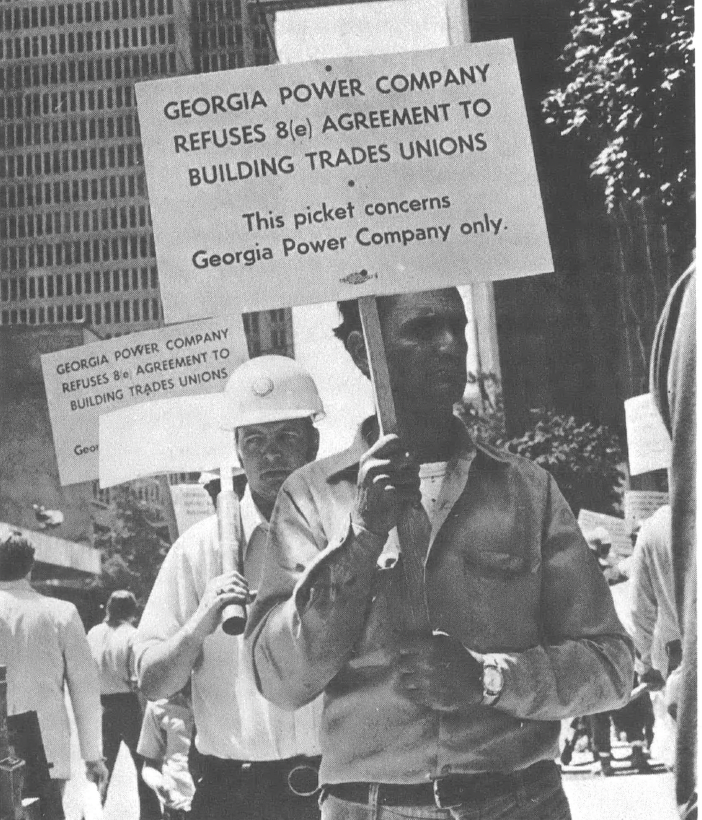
(16, 556)
(350, 319)
(351, 316)
(121, 606)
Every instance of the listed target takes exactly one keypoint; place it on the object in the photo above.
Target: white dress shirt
(112, 650)
(233, 720)
(43, 645)
(654, 612)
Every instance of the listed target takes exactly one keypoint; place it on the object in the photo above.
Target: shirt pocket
(498, 565)
(501, 591)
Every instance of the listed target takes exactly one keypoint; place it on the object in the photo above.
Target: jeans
(543, 800)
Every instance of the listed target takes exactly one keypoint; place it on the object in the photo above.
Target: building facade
(76, 244)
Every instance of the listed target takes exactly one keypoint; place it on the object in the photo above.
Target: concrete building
(74, 218)
(29, 473)
(75, 229)
(76, 246)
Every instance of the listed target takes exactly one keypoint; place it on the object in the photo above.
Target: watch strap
(491, 695)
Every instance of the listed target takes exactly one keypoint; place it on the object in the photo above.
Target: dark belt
(445, 792)
(115, 698)
(298, 774)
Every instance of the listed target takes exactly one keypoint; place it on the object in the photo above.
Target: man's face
(270, 452)
(425, 345)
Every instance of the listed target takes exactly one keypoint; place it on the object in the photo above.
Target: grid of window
(60, 103)
(218, 36)
(48, 285)
(37, 224)
(75, 230)
(94, 313)
(17, 166)
(79, 41)
(47, 132)
(72, 190)
(108, 249)
(137, 66)
(37, 16)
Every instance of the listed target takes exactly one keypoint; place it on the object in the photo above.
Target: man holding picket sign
(256, 761)
(446, 673)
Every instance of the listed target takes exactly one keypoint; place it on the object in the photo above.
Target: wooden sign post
(377, 364)
(413, 527)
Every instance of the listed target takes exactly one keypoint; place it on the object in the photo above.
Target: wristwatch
(493, 682)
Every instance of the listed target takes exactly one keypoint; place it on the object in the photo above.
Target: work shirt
(165, 738)
(653, 593)
(507, 573)
(112, 650)
(43, 646)
(233, 720)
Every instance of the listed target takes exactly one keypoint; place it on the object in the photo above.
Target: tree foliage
(585, 458)
(629, 92)
(133, 546)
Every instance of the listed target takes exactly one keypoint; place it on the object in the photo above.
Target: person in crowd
(673, 384)
(655, 621)
(656, 633)
(164, 744)
(446, 672)
(255, 761)
(44, 647)
(111, 645)
(600, 542)
(634, 719)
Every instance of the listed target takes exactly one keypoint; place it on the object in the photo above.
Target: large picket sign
(302, 183)
(647, 439)
(82, 383)
(180, 434)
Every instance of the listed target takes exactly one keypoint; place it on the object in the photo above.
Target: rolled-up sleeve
(585, 662)
(313, 600)
(173, 599)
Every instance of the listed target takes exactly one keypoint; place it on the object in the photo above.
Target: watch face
(492, 680)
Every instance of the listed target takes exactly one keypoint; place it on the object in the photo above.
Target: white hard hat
(269, 388)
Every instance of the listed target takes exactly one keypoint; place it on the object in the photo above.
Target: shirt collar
(346, 461)
(20, 583)
(251, 517)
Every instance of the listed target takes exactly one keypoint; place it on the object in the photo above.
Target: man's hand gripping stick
(234, 615)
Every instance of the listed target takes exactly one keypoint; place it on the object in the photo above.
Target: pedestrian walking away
(44, 647)
(442, 597)
(111, 644)
(256, 761)
(656, 633)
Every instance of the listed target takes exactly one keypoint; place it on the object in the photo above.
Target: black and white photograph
(348, 410)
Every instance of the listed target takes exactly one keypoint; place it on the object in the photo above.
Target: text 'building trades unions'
(356, 174)
(84, 382)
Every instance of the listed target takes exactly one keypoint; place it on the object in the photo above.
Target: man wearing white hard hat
(258, 762)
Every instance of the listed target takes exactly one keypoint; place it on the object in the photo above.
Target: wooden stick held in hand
(233, 616)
